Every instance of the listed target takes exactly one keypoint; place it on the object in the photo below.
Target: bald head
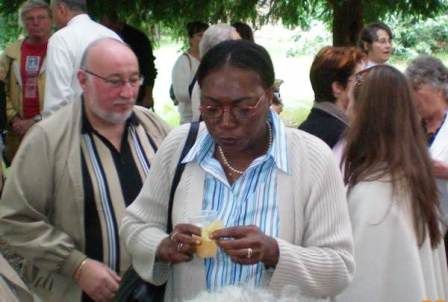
(99, 48)
(110, 79)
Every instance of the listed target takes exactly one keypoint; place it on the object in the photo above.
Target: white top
(182, 75)
(439, 151)
(315, 237)
(64, 54)
(196, 102)
(389, 264)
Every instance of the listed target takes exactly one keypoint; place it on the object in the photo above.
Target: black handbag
(132, 287)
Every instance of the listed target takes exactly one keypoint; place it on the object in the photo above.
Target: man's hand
(98, 281)
(21, 126)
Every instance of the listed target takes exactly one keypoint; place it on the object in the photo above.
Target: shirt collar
(86, 126)
(78, 18)
(205, 145)
(333, 110)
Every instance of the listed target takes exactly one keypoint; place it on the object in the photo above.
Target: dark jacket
(142, 48)
(324, 125)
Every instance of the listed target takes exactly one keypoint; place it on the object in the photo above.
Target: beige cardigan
(315, 238)
(19, 292)
(42, 206)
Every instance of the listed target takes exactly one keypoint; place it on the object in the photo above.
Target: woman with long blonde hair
(392, 195)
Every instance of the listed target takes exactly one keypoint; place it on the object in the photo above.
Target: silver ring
(249, 253)
(172, 235)
(179, 246)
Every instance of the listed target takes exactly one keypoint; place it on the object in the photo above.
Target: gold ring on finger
(173, 234)
(249, 253)
(179, 246)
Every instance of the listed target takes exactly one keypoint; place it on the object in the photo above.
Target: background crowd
(353, 206)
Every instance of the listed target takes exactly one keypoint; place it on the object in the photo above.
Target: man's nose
(127, 90)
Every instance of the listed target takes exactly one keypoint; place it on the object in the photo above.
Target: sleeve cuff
(72, 262)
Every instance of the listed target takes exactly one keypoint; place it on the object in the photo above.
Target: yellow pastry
(208, 247)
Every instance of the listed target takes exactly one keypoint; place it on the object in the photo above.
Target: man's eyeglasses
(240, 112)
(134, 81)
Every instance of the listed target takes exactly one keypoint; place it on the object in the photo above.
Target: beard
(114, 117)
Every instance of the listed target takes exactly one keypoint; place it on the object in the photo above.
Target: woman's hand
(247, 245)
(440, 169)
(179, 246)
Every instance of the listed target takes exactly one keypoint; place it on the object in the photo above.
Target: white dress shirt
(64, 54)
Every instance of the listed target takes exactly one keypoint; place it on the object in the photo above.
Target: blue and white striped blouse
(250, 200)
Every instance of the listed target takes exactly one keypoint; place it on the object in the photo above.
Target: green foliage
(9, 30)
(172, 15)
(414, 37)
(308, 42)
(176, 13)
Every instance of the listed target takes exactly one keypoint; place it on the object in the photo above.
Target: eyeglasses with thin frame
(134, 81)
(214, 112)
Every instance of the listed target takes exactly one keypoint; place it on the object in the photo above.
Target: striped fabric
(107, 186)
(250, 200)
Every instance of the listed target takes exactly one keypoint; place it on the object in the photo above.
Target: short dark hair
(244, 30)
(369, 34)
(74, 5)
(241, 54)
(332, 64)
(196, 27)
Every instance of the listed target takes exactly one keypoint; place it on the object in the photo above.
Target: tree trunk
(347, 21)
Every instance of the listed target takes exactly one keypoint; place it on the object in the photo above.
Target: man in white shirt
(65, 49)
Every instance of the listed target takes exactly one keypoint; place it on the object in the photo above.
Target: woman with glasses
(277, 191)
(375, 40)
(392, 195)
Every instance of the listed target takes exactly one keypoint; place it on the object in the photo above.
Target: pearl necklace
(240, 172)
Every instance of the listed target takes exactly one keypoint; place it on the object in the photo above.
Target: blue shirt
(250, 200)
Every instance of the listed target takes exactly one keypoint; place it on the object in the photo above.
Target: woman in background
(375, 40)
(429, 79)
(392, 195)
(184, 70)
(331, 75)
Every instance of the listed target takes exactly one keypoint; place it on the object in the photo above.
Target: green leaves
(172, 15)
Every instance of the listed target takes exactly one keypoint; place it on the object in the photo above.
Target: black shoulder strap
(191, 86)
(192, 133)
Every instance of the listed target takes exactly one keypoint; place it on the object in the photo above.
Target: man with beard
(73, 177)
